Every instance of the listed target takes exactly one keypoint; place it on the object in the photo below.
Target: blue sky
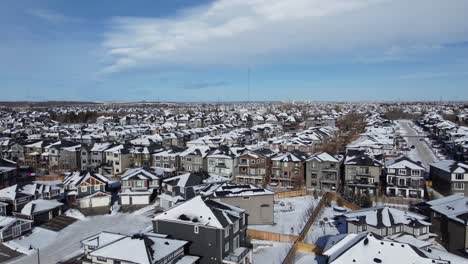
(186, 50)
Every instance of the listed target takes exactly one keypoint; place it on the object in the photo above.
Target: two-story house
(117, 159)
(194, 159)
(168, 160)
(139, 186)
(223, 160)
(405, 178)
(449, 177)
(254, 166)
(362, 174)
(288, 169)
(216, 231)
(323, 171)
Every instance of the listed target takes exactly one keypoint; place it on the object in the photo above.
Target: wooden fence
(287, 194)
(298, 244)
(264, 235)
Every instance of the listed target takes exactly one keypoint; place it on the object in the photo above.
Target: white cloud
(51, 16)
(233, 32)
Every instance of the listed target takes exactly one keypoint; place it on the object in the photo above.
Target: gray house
(323, 171)
(217, 231)
(449, 177)
(194, 159)
(257, 201)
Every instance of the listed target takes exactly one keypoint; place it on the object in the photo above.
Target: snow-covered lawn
(290, 215)
(325, 226)
(302, 258)
(66, 243)
(269, 252)
(39, 238)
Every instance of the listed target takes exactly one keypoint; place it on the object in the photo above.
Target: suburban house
(216, 231)
(449, 218)
(223, 160)
(17, 196)
(40, 211)
(64, 155)
(288, 169)
(405, 178)
(92, 157)
(186, 186)
(84, 183)
(194, 159)
(86, 189)
(117, 159)
(254, 166)
(139, 186)
(371, 248)
(258, 202)
(323, 171)
(148, 248)
(12, 227)
(168, 160)
(362, 174)
(449, 177)
(386, 221)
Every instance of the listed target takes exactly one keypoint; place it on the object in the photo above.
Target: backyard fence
(264, 235)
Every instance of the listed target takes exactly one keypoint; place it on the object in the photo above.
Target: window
(391, 171)
(157, 158)
(84, 188)
(252, 161)
(188, 159)
(226, 247)
(97, 187)
(236, 227)
(236, 242)
(415, 172)
(314, 165)
(226, 231)
(246, 197)
(459, 186)
(402, 171)
(459, 176)
(139, 183)
(102, 259)
(195, 229)
(83, 153)
(364, 170)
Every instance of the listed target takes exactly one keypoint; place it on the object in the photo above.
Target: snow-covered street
(66, 243)
(422, 152)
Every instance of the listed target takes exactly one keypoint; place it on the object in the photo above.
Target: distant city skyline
(198, 51)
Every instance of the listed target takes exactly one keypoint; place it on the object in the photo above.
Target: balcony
(237, 256)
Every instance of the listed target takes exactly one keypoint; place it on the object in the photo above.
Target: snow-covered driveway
(67, 242)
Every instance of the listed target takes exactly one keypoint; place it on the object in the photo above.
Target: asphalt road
(425, 153)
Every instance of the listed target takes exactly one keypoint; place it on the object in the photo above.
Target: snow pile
(74, 213)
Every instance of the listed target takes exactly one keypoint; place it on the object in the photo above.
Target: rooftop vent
(166, 243)
(366, 241)
(184, 217)
(377, 260)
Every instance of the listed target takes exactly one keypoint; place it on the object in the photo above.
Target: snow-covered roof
(141, 248)
(197, 211)
(368, 248)
(384, 216)
(40, 205)
(139, 173)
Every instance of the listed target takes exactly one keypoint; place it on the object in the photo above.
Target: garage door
(124, 200)
(140, 200)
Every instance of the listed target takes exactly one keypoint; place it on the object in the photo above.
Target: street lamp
(38, 258)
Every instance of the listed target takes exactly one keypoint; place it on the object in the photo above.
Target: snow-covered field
(325, 226)
(290, 215)
(269, 252)
(66, 243)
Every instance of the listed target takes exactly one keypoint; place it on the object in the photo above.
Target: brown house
(288, 169)
(255, 166)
